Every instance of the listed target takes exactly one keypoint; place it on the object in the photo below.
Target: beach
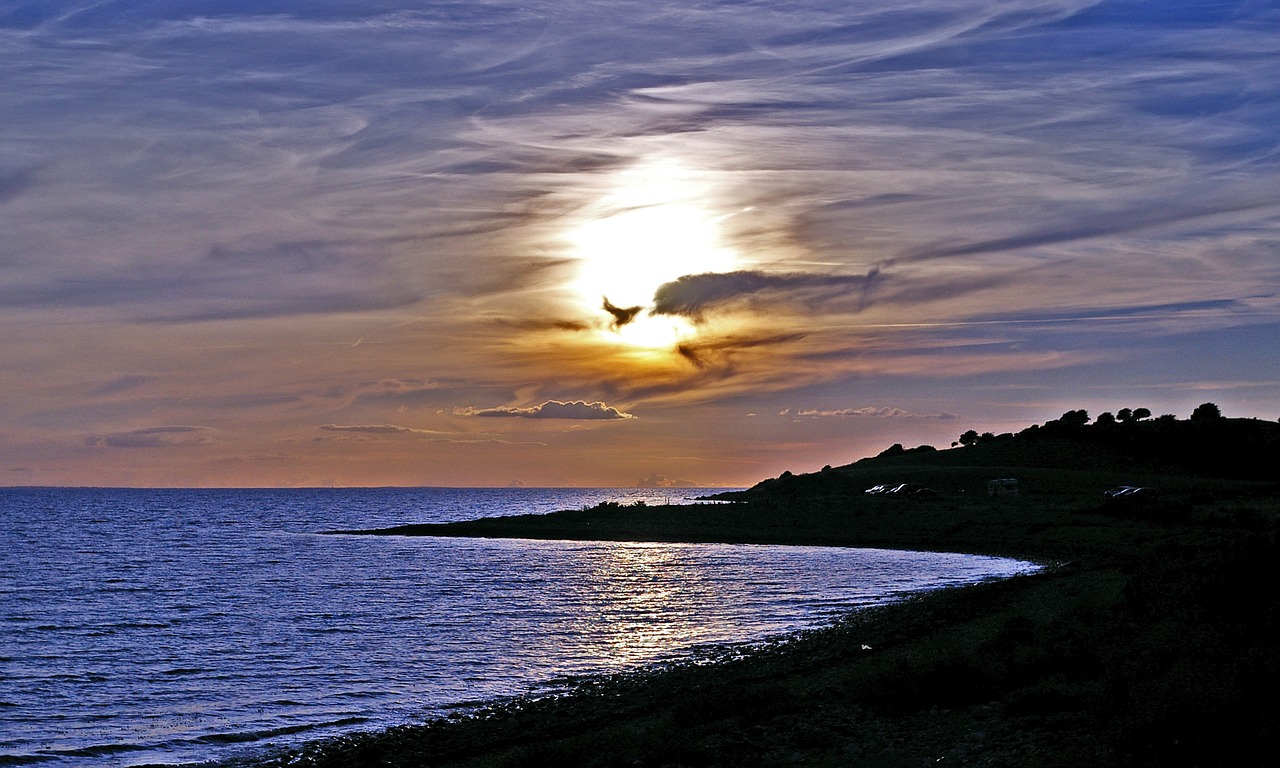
(1146, 640)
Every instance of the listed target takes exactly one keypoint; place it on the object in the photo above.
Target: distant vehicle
(912, 489)
(1130, 493)
(901, 489)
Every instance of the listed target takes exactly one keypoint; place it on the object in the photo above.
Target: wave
(24, 759)
(241, 737)
(98, 750)
(187, 671)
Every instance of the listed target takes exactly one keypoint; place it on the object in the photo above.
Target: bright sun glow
(652, 229)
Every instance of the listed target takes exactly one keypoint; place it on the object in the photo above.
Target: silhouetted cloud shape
(694, 295)
(621, 315)
(552, 409)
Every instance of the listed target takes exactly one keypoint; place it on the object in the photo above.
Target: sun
(652, 227)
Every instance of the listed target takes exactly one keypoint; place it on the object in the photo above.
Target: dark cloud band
(694, 295)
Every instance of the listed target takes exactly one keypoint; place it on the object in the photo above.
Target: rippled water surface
(164, 626)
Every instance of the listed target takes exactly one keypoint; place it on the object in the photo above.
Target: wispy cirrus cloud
(872, 412)
(154, 437)
(551, 409)
(220, 216)
(378, 429)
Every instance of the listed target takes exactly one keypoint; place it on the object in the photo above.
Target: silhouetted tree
(969, 438)
(1141, 413)
(1206, 412)
(1105, 419)
(1075, 418)
(1124, 415)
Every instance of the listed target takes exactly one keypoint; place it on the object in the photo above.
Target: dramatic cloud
(552, 409)
(694, 295)
(215, 213)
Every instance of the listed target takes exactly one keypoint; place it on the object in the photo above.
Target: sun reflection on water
(645, 597)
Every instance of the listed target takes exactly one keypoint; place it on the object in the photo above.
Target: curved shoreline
(1048, 669)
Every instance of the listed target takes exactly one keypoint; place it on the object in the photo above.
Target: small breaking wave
(242, 737)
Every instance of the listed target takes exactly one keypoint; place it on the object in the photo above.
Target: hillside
(1067, 455)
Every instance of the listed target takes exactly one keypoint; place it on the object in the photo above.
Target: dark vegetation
(1207, 443)
(1150, 639)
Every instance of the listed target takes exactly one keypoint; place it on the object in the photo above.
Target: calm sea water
(171, 626)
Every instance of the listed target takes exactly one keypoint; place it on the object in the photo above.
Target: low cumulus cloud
(154, 437)
(694, 295)
(552, 409)
(655, 480)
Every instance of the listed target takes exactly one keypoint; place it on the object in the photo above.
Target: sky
(584, 242)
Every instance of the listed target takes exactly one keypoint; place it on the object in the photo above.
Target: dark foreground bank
(1150, 640)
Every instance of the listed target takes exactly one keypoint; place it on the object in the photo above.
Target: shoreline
(1047, 669)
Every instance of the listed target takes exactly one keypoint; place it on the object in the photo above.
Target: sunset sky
(581, 242)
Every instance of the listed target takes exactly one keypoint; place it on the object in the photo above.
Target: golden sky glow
(236, 254)
(651, 227)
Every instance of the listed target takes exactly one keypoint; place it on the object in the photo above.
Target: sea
(144, 627)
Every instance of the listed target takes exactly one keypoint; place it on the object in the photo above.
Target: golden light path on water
(653, 225)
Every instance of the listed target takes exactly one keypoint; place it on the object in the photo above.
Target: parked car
(912, 489)
(900, 489)
(1126, 493)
